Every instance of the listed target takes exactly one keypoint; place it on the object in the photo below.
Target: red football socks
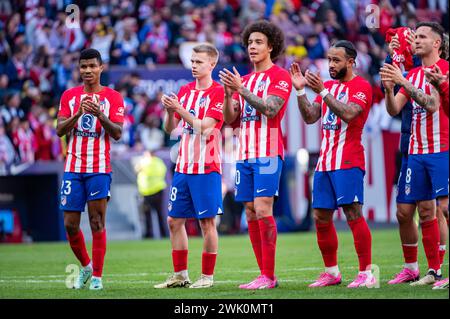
(410, 253)
(255, 239)
(268, 231)
(328, 243)
(430, 240)
(98, 252)
(208, 263)
(79, 247)
(180, 260)
(363, 242)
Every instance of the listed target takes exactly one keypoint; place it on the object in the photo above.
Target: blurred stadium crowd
(39, 53)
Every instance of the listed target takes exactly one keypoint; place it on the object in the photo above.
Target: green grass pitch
(133, 267)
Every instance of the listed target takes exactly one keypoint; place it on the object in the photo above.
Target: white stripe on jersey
(342, 136)
(415, 116)
(184, 141)
(436, 132)
(423, 116)
(193, 137)
(252, 132)
(102, 146)
(243, 131)
(329, 155)
(263, 133)
(201, 159)
(69, 147)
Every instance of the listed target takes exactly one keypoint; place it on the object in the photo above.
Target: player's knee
(427, 211)
(96, 224)
(173, 223)
(404, 216)
(321, 218)
(263, 209)
(250, 214)
(208, 225)
(71, 228)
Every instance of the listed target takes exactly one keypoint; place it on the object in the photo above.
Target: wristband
(324, 93)
(301, 92)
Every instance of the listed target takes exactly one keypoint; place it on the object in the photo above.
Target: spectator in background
(23, 139)
(11, 109)
(151, 173)
(63, 73)
(102, 40)
(7, 152)
(150, 133)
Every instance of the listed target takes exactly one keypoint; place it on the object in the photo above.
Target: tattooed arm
(269, 107)
(428, 102)
(310, 112)
(346, 112)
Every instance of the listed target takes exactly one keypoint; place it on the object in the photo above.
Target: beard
(340, 74)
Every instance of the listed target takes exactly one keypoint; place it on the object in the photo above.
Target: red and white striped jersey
(200, 154)
(89, 145)
(259, 135)
(429, 131)
(341, 146)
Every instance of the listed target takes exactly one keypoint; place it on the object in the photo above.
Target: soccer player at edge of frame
(406, 207)
(427, 170)
(198, 106)
(343, 104)
(257, 102)
(89, 115)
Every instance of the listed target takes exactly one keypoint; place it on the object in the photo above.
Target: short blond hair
(209, 49)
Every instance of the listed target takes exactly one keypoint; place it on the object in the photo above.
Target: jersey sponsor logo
(360, 96)
(282, 85)
(330, 122)
(86, 134)
(248, 110)
(217, 107)
(120, 111)
(418, 109)
(87, 122)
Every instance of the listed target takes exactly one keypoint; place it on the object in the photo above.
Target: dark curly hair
(273, 33)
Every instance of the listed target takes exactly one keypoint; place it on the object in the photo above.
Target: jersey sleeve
(216, 104)
(117, 112)
(361, 94)
(64, 109)
(281, 86)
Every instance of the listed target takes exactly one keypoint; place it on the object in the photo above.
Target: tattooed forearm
(310, 112)
(346, 112)
(268, 107)
(428, 102)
